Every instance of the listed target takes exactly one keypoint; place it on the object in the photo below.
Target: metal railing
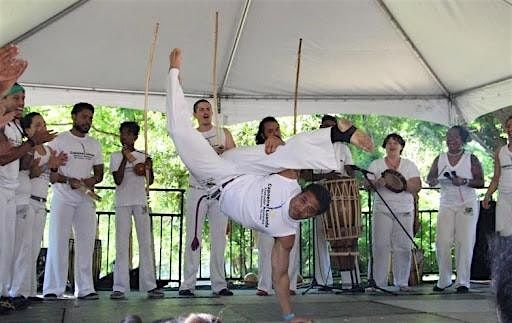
(241, 254)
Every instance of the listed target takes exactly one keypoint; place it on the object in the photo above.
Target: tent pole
(481, 86)
(234, 49)
(47, 22)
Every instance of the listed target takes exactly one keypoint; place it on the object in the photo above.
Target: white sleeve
(348, 156)
(114, 162)
(374, 168)
(98, 158)
(412, 170)
(175, 103)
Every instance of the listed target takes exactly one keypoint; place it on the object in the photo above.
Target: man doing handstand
(257, 190)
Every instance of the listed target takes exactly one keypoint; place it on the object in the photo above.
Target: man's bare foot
(175, 58)
(359, 138)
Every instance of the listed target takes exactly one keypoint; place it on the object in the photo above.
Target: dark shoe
(260, 292)
(50, 297)
(224, 292)
(437, 289)
(325, 289)
(292, 293)
(6, 307)
(20, 303)
(155, 293)
(117, 295)
(35, 299)
(186, 292)
(462, 290)
(89, 297)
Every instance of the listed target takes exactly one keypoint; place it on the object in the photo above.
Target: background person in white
(131, 200)
(24, 219)
(208, 207)
(269, 127)
(260, 191)
(44, 159)
(459, 173)
(502, 181)
(13, 148)
(323, 271)
(387, 234)
(71, 207)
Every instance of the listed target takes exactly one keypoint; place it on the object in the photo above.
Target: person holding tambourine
(397, 179)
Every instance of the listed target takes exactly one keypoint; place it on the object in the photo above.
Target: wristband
(288, 317)
(31, 142)
(54, 170)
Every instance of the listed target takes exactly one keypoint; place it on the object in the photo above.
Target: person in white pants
(72, 207)
(221, 140)
(44, 159)
(257, 190)
(12, 149)
(459, 173)
(502, 181)
(131, 200)
(269, 127)
(323, 272)
(387, 234)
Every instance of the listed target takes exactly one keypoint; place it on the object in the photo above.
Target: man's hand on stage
(175, 58)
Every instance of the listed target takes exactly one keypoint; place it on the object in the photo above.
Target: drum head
(395, 182)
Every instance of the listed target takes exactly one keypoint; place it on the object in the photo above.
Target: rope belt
(215, 195)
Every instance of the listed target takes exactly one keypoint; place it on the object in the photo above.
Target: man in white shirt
(131, 200)
(197, 209)
(72, 207)
(13, 149)
(260, 191)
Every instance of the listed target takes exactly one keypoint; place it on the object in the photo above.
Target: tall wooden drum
(342, 222)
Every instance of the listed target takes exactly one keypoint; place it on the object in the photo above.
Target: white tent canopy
(443, 61)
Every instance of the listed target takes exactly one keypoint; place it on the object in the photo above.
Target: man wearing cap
(15, 155)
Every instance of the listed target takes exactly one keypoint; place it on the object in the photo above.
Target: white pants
(312, 150)
(39, 210)
(389, 237)
(265, 245)
(217, 224)
(504, 214)
(7, 236)
(22, 266)
(147, 280)
(323, 272)
(456, 224)
(82, 218)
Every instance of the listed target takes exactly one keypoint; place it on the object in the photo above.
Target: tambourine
(395, 182)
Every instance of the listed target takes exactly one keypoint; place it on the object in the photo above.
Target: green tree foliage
(424, 141)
